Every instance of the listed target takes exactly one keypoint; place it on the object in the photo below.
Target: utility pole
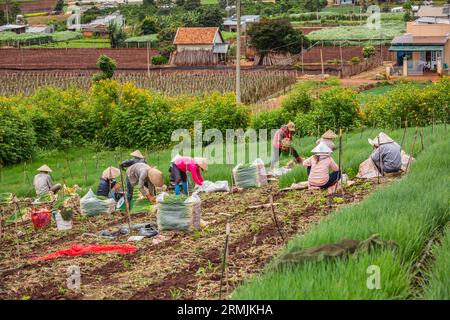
(238, 51)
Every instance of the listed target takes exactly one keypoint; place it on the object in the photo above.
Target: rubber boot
(185, 190)
(298, 159)
(177, 189)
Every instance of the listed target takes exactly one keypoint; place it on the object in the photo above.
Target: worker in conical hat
(328, 138)
(43, 182)
(138, 157)
(386, 154)
(180, 166)
(146, 178)
(319, 165)
(108, 186)
(282, 143)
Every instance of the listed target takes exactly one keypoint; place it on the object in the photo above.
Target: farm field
(410, 212)
(76, 44)
(256, 85)
(185, 265)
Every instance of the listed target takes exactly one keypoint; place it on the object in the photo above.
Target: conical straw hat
(137, 154)
(111, 173)
(156, 177)
(291, 126)
(202, 163)
(384, 138)
(329, 134)
(322, 148)
(44, 168)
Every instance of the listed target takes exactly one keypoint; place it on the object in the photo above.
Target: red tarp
(79, 249)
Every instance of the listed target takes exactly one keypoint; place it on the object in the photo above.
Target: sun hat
(202, 163)
(44, 168)
(156, 177)
(291, 126)
(111, 173)
(329, 134)
(384, 138)
(322, 149)
(137, 154)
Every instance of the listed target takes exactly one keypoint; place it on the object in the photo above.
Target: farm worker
(108, 186)
(327, 138)
(137, 158)
(147, 179)
(179, 168)
(282, 142)
(43, 182)
(318, 167)
(388, 151)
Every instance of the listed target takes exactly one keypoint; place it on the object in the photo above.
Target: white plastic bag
(62, 224)
(92, 206)
(218, 186)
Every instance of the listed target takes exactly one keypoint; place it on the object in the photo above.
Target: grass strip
(438, 287)
(408, 212)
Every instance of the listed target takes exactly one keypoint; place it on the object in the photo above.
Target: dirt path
(184, 266)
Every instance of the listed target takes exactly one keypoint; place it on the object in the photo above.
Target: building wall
(183, 47)
(427, 30)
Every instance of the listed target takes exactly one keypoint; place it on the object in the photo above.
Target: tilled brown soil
(185, 265)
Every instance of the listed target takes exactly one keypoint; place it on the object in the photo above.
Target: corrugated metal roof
(220, 48)
(416, 48)
(430, 11)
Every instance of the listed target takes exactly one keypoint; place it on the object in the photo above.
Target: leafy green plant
(159, 60)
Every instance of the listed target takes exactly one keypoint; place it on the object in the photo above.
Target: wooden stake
(339, 160)
(412, 152)
(16, 230)
(404, 134)
(380, 160)
(272, 208)
(224, 259)
(421, 138)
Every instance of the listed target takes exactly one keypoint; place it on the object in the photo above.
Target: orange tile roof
(195, 35)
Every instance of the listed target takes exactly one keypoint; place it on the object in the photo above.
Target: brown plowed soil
(186, 265)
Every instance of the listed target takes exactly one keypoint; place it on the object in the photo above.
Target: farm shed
(199, 46)
(40, 28)
(17, 28)
(100, 24)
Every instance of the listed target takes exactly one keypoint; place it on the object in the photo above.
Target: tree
(210, 17)
(59, 6)
(314, 5)
(116, 34)
(192, 4)
(368, 51)
(107, 66)
(276, 35)
(149, 3)
(149, 25)
(407, 16)
(2, 17)
(165, 41)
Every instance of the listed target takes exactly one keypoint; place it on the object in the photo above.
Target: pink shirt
(188, 164)
(318, 175)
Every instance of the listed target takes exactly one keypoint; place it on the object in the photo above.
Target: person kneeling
(318, 167)
(386, 154)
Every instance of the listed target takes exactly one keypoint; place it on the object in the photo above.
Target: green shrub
(355, 60)
(17, 140)
(335, 108)
(159, 60)
(273, 119)
(368, 51)
(298, 101)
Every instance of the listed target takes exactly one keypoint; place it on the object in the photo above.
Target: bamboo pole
(421, 138)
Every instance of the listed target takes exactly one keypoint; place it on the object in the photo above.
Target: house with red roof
(199, 46)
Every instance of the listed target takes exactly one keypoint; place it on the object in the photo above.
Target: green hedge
(109, 114)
